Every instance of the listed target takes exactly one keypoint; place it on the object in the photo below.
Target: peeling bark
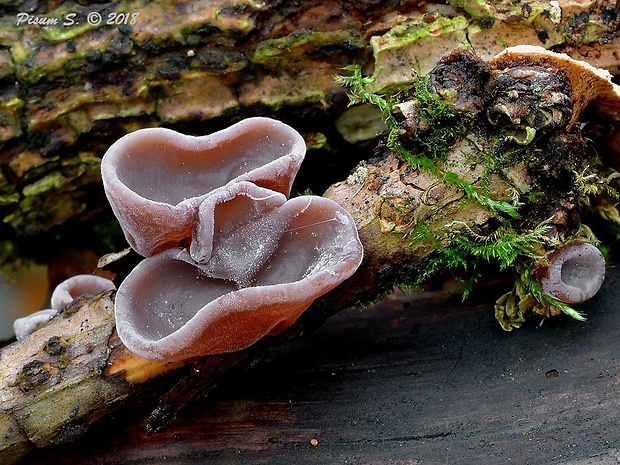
(67, 92)
(81, 88)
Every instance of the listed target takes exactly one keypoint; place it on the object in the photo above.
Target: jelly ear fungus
(259, 277)
(155, 178)
(228, 258)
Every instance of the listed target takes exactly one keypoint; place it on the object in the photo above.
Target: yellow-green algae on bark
(197, 65)
(386, 232)
(175, 64)
(50, 386)
(404, 49)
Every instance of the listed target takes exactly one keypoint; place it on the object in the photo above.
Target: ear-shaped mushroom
(238, 229)
(575, 273)
(65, 293)
(156, 178)
(269, 261)
(79, 285)
(588, 84)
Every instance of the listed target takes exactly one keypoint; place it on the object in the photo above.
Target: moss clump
(503, 140)
(505, 247)
(438, 126)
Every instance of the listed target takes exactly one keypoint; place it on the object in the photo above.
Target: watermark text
(93, 18)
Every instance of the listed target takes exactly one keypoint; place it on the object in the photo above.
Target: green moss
(458, 249)
(441, 123)
(531, 283)
(458, 152)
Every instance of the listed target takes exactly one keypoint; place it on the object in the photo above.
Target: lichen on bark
(486, 164)
(66, 93)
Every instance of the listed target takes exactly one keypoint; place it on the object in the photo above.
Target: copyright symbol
(94, 18)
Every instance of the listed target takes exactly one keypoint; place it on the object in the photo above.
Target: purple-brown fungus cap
(256, 262)
(156, 178)
(575, 272)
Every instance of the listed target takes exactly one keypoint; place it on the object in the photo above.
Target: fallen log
(69, 90)
(486, 164)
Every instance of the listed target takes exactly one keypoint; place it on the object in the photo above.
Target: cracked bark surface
(73, 136)
(66, 93)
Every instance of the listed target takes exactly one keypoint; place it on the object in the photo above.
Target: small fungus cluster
(229, 258)
(67, 291)
(573, 273)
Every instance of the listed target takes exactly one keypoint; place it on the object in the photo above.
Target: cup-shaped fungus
(28, 324)
(575, 273)
(65, 293)
(156, 178)
(229, 220)
(262, 262)
(79, 285)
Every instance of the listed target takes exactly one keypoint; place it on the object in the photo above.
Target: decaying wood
(68, 91)
(416, 379)
(74, 370)
(80, 88)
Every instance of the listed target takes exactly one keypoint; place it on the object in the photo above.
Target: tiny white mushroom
(575, 274)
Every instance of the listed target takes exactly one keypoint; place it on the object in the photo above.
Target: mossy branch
(464, 131)
(439, 118)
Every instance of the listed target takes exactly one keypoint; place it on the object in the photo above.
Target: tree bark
(106, 80)
(68, 91)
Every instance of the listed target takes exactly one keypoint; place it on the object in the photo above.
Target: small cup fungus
(67, 291)
(76, 286)
(155, 178)
(28, 324)
(575, 273)
(229, 258)
(256, 263)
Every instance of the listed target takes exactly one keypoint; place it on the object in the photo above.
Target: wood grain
(417, 379)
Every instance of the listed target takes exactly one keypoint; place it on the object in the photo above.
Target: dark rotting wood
(419, 378)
